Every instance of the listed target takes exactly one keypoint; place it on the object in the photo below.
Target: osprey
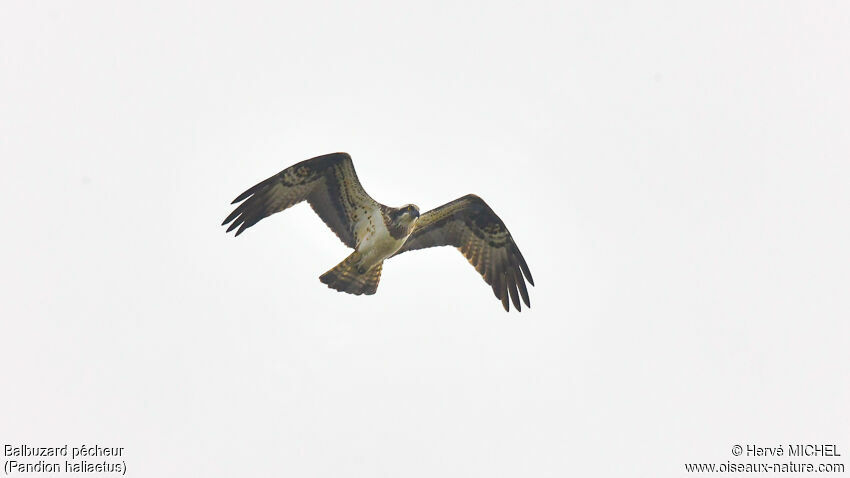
(377, 232)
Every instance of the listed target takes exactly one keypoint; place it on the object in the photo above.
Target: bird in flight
(377, 232)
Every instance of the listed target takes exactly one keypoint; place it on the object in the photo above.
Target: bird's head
(407, 214)
(411, 210)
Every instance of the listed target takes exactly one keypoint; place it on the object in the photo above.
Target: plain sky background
(677, 175)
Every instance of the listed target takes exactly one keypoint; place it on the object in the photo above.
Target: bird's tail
(348, 277)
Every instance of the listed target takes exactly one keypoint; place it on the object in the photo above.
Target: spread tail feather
(347, 277)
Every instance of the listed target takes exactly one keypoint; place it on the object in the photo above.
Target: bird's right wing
(470, 225)
(327, 182)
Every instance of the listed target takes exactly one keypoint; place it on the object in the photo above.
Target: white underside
(376, 244)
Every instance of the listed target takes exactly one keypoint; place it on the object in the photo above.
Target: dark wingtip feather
(523, 265)
(232, 215)
(494, 283)
(523, 291)
(513, 291)
(241, 197)
(250, 191)
(232, 226)
(503, 293)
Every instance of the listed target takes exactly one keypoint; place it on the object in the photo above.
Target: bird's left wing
(327, 182)
(469, 224)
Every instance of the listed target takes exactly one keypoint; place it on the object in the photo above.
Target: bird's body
(382, 232)
(377, 232)
(378, 243)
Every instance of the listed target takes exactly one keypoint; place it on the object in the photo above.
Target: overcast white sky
(675, 173)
